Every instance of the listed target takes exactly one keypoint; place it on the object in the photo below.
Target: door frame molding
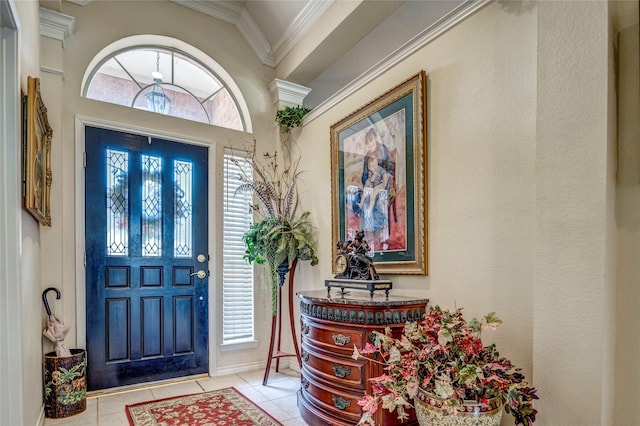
(80, 123)
(11, 366)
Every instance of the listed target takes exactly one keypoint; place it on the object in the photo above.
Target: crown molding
(255, 37)
(450, 20)
(288, 92)
(235, 13)
(228, 11)
(299, 27)
(56, 25)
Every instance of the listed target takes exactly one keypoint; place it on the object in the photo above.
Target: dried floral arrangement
(280, 234)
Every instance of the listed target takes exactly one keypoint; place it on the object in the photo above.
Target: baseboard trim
(239, 368)
(145, 385)
(290, 363)
(40, 421)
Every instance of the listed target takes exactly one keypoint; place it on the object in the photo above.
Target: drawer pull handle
(340, 371)
(340, 403)
(340, 339)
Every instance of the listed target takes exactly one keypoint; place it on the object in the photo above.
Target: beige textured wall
(97, 25)
(520, 176)
(481, 108)
(521, 142)
(574, 281)
(627, 389)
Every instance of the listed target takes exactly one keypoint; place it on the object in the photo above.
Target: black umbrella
(55, 330)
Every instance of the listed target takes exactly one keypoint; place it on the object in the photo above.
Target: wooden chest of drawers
(332, 381)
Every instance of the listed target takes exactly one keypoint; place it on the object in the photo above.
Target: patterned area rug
(226, 407)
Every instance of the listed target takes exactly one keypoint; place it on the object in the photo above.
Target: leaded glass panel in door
(183, 218)
(151, 205)
(117, 202)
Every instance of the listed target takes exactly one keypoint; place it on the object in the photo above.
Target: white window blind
(237, 299)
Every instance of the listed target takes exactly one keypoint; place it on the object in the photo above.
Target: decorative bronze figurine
(353, 261)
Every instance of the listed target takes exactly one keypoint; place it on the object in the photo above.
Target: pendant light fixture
(157, 100)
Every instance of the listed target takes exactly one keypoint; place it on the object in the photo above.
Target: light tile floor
(278, 398)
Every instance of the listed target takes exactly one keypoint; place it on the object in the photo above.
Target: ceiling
(275, 28)
(314, 42)
(326, 44)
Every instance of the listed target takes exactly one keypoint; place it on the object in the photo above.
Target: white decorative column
(286, 93)
(56, 29)
(56, 25)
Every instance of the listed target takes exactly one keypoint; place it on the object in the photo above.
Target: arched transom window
(167, 81)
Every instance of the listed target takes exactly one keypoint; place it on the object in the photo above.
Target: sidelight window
(238, 294)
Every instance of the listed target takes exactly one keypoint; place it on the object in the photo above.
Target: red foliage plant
(443, 355)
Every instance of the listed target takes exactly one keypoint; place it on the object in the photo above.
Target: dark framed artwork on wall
(378, 177)
(37, 134)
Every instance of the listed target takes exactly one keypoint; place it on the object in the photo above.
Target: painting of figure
(376, 184)
(378, 172)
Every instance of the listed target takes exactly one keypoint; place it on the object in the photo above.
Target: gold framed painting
(379, 178)
(37, 154)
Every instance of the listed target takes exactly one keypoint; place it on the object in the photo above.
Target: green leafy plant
(290, 117)
(280, 234)
(443, 355)
(285, 239)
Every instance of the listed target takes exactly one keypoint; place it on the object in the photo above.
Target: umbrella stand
(64, 371)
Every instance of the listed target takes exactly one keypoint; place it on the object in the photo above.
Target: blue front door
(146, 258)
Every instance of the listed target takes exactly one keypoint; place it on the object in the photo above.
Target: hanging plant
(290, 117)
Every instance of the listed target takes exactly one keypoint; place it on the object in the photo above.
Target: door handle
(201, 274)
